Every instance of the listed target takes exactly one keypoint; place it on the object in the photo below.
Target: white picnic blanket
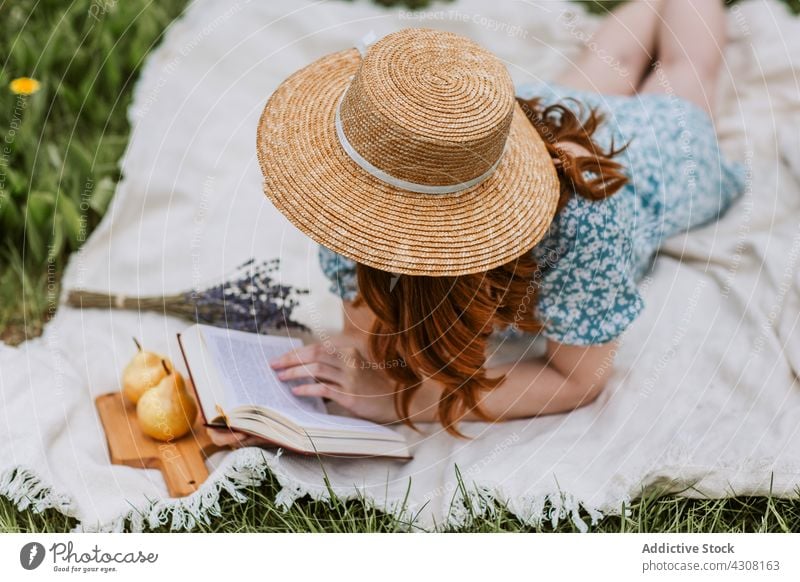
(704, 397)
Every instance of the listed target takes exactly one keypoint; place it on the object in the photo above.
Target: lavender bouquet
(249, 300)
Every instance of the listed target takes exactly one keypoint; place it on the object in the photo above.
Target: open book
(236, 387)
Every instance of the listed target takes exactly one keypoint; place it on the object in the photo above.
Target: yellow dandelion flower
(24, 86)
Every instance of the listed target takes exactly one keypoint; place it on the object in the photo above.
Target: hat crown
(429, 107)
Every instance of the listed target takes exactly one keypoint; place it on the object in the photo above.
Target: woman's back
(596, 251)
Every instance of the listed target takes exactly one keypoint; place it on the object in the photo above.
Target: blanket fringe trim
(249, 467)
(532, 511)
(26, 490)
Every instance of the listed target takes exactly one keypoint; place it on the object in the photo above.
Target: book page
(243, 361)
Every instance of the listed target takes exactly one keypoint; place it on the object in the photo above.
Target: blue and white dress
(596, 252)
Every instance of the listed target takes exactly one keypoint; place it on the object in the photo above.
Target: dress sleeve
(341, 272)
(587, 293)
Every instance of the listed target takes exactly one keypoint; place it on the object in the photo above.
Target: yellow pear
(167, 411)
(143, 372)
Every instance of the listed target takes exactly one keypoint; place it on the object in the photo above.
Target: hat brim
(315, 184)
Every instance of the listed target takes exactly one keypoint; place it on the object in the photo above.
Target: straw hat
(413, 157)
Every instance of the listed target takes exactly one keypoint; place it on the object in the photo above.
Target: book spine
(191, 381)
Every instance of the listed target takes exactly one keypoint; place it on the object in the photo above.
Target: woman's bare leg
(618, 55)
(691, 40)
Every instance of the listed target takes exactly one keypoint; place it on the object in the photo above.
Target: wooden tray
(182, 461)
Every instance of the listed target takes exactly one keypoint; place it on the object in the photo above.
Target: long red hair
(438, 327)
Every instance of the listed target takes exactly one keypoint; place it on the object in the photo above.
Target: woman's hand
(225, 437)
(343, 375)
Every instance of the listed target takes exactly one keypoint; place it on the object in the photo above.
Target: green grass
(61, 146)
(652, 512)
(57, 178)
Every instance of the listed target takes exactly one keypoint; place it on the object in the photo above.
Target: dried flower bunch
(249, 300)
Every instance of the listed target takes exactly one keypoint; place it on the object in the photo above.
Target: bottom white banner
(389, 557)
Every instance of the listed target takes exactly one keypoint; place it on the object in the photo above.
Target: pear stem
(166, 368)
(138, 345)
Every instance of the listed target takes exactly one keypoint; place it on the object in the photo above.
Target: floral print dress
(596, 252)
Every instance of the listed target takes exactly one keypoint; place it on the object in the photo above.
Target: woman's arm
(565, 378)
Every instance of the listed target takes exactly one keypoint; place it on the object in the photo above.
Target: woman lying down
(451, 206)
